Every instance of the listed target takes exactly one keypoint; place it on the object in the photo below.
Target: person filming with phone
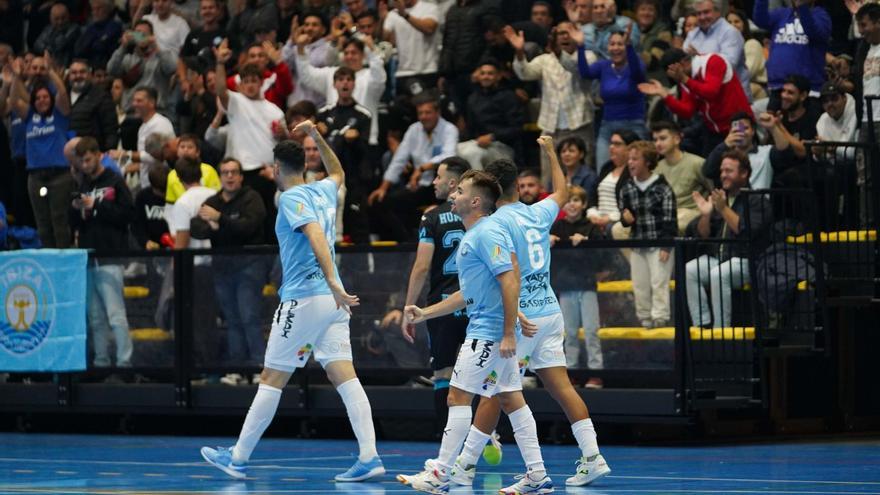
(741, 137)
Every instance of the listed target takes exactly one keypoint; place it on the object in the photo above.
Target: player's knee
(274, 378)
(339, 372)
(458, 397)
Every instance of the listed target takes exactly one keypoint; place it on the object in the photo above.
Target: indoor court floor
(80, 464)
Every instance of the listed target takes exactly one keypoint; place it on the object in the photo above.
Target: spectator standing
(578, 299)
(715, 35)
(463, 45)
(197, 51)
(799, 37)
(425, 145)
(235, 217)
(276, 83)
(727, 214)
(101, 215)
(494, 120)
(141, 63)
(597, 34)
(707, 85)
(867, 63)
(92, 111)
(566, 107)
(59, 37)
(647, 205)
(152, 122)
(603, 198)
(572, 155)
(169, 28)
(656, 36)
(742, 137)
(149, 223)
(413, 28)
(320, 51)
(756, 60)
(101, 36)
(683, 171)
(619, 77)
(45, 116)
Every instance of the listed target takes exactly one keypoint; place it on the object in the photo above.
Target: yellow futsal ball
(492, 454)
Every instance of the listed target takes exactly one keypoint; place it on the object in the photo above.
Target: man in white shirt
(187, 207)
(838, 123)
(425, 145)
(254, 126)
(143, 102)
(413, 28)
(319, 50)
(169, 28)
(369, 81)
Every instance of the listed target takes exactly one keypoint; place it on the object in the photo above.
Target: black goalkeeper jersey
(442, 228)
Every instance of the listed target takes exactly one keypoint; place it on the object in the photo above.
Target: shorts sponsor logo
(485, 353)
(304, 351)
(490, 380)
(524, 363)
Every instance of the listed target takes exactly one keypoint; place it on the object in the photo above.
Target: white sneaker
(232, 379)
(589, 470)
(427, 481)
(430, 464)
(527, 485)
(461, 474)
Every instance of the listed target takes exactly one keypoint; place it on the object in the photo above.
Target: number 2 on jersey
(450, 241)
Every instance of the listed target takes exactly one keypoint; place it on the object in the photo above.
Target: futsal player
(314, 313)
(486, 364)
(529, 229)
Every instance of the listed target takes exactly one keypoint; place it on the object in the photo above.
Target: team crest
(490, 380)
(29, 306)
(304, 351)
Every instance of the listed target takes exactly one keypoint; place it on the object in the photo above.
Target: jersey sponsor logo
(523, 364)
(304, 352)
(536, 282)
(536, 303)
(490, 380)
(318, 275)
(449, 217)
(485, 353)
(288, 322)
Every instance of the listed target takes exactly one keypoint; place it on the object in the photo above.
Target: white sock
(473, 446)
(361, 417)
(585, 435)
(526, 434)
(258, 418)
(454, 434)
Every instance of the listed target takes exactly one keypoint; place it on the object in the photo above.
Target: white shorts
(481, 370)
(546, 349)
(304, 326)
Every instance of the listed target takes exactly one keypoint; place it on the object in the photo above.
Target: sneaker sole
(536, 492)
(378, 471)
(460, 482)
(231, 472)
(598, 477)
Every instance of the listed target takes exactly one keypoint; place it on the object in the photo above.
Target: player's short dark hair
(250, 70)
(741, 158)
(150, 92)
(485, 186)
(456, 165)
(87, 144)
(666, 125)
(870, 10)
(190, 138)
(648, 152)
(504, 171)
(290, 157)
(343, 72)
(189, 171)
(529, 172)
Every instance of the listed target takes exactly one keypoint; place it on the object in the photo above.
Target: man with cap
(839, 121)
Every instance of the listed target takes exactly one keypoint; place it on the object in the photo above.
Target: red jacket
(713, 90)
(277, 84)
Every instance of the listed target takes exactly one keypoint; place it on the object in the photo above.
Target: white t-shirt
(185, 209)
(871, 81)
(250, 129)
(158, 123)
(171, 33)
(417, 52)
(762, 170)
(828, 129)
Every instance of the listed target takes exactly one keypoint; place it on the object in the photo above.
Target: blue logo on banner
(29, 306)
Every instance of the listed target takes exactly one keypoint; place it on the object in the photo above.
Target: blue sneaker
(361, 471)
(221, 458)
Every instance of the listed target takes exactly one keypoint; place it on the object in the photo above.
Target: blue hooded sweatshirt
(798, 42)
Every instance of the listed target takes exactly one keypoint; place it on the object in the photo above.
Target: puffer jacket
(463, 42)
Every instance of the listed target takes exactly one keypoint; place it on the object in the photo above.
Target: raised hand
(222, 53)
(546, 143)
(271, 52)
(304, 127)
(653, 88)
(627, 35)
(516, 38)
(703, 204)
(576, 34)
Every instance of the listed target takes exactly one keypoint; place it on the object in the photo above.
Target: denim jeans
(238, 284)
(106, 314)
(581, 307)
(606, 129)
(722, 277)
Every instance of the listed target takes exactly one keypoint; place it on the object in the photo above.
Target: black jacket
(497, 111)
(94, 115)
(463, 41)
(105, 227)
(588, 261)
(241, 220)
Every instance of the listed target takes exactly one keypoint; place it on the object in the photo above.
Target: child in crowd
(647, 204)
(577, 288)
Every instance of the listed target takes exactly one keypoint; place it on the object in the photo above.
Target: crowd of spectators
(660, 110)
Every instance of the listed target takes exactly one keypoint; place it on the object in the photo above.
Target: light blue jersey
(529, 228)
(484, 253)
(309, 203)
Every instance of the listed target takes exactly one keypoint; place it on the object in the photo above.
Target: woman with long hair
(756, 63)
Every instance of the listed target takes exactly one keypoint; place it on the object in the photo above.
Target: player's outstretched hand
(508, 346)
(343, 299)
(529, 329)
(304, 127)
(413, 314)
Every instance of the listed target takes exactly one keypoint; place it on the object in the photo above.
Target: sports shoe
(594, 383)
(494, 443)
(428, 481)
(221, 458)
(527, 484)
(589, 470)
(461, 474)
(430, 464)
(361, 471)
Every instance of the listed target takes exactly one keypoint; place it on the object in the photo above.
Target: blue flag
(43, 322)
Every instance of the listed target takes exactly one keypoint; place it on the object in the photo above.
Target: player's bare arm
(318, 242)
